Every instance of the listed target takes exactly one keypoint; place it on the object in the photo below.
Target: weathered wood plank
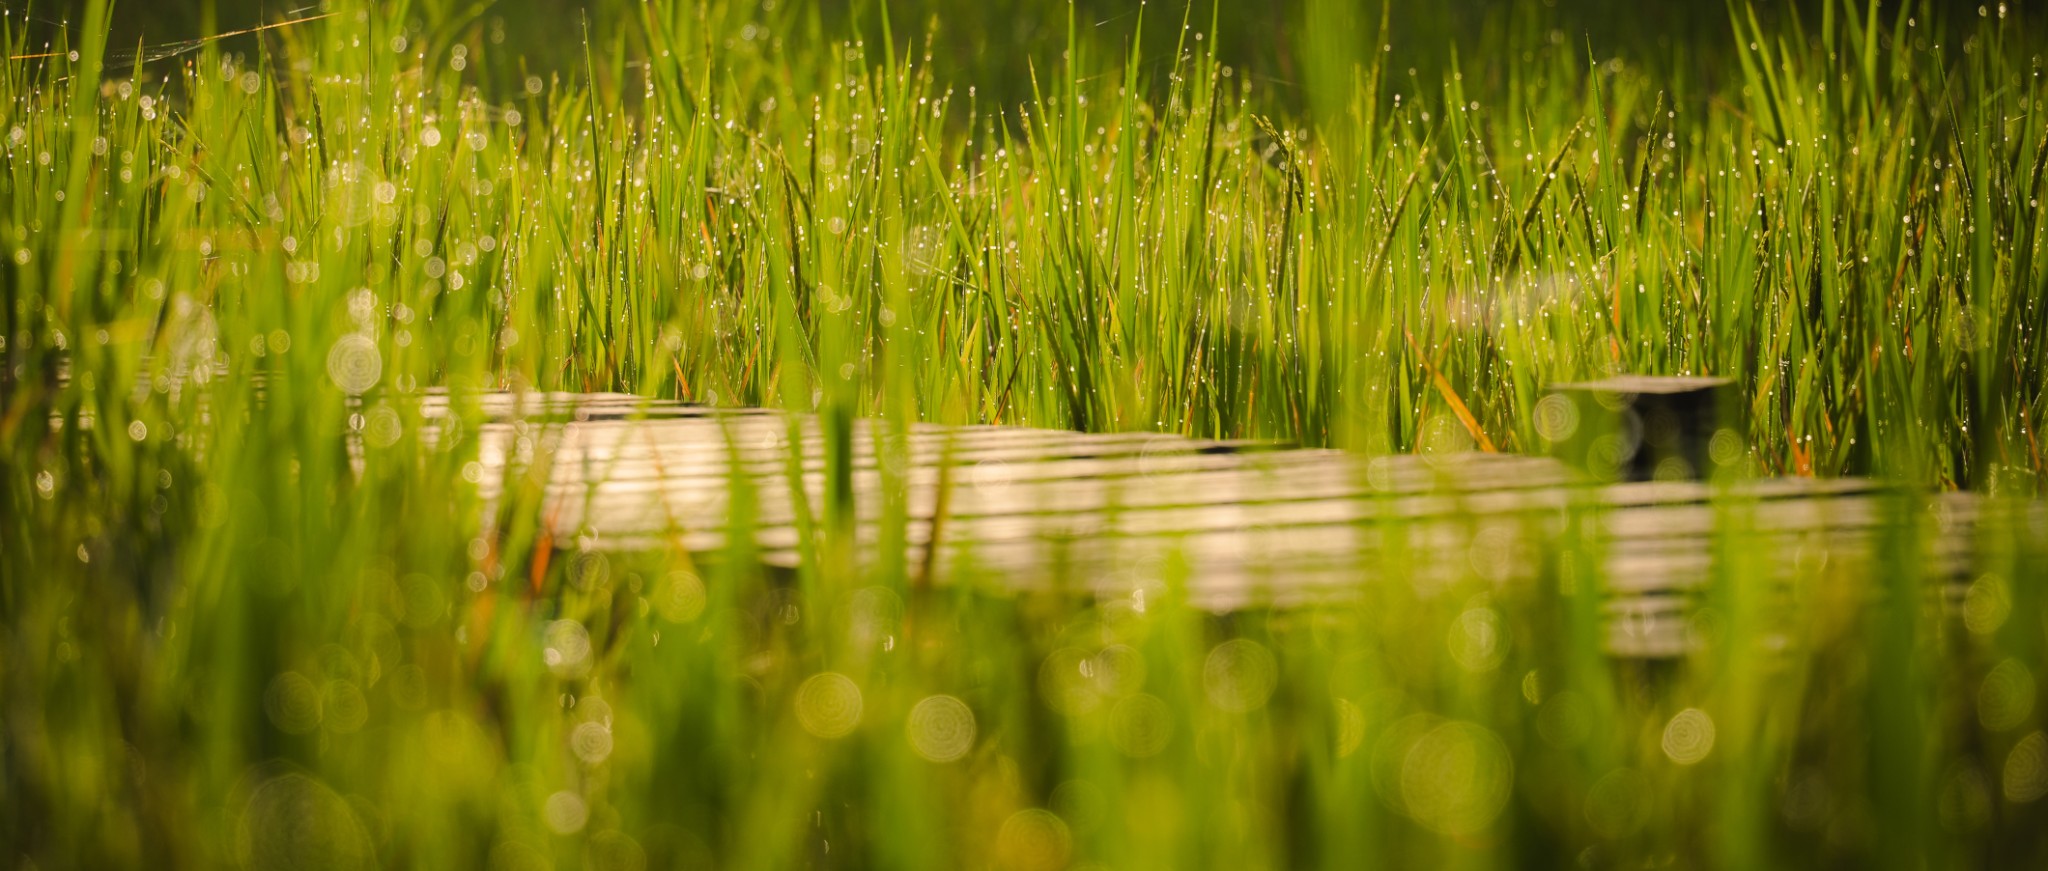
(1113, 514)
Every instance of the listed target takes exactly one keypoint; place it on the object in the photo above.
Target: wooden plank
(1107, 514)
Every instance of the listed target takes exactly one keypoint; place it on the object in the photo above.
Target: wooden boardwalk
(1249, 524)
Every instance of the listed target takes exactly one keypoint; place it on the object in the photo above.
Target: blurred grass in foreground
(224, 642)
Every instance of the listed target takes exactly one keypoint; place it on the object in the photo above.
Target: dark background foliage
(997, 41)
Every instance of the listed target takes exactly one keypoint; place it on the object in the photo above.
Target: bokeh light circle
(940, 728)
(1141, 725)
(1478, 640)
(1350, 727)
(354, 363)
(2026, 769)
(680, 597)
(1034, 840)
(591, 742)
(566, 648)
(1239, 675)
(1689, 737)
(1065, 683)
(828, 705)
(1618, 804)
(1119, 670)
(343, 707)
(1556, 417)
(293, 821)
(2006, 697)
(1456, 778)
(293, 703)
(565, 813)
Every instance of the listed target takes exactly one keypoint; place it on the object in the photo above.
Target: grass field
(251, 616)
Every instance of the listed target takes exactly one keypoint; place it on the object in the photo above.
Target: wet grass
(252, 616)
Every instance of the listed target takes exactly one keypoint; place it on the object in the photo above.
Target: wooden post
(1641, 427)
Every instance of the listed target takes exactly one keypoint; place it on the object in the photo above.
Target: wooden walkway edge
(1254, 525)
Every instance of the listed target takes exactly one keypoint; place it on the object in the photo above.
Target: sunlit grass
(255, 613)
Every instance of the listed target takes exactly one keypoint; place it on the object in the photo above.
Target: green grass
(225, 644)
